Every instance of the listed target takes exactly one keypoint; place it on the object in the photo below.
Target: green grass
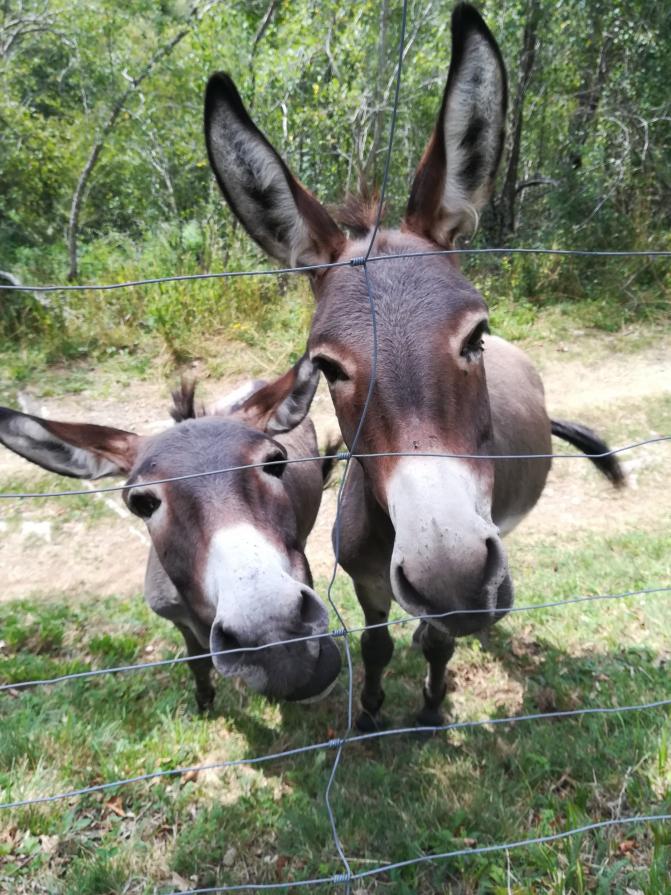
(393, 799)
(79, 507)
(251, 325)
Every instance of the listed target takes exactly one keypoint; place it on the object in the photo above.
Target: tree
(198, 10)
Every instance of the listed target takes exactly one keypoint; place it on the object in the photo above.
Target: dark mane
(183, 402)
(358, 211)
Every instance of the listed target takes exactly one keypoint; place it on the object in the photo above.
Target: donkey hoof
(368, 723)
(205, 702)
(429, 717)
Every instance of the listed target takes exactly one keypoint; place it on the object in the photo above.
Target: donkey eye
(332, 371)
(474, 344)
(143, 503)
(275, 465)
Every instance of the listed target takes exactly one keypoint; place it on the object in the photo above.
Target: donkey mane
(183, 402)
(358, 211)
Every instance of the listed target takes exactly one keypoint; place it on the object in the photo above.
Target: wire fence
(353, 262)
(347, 737)
(346, 456)
(337, 632)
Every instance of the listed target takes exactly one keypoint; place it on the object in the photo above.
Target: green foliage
(319, 79)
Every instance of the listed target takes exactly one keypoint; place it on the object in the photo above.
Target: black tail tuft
(589, 443)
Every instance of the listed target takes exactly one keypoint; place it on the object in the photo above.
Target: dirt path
(47, 549)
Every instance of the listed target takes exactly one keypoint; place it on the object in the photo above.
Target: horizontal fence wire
(471, 851)
(338, 743)
(338, 632)
(277, 271)
(346, 456)
(347, 877)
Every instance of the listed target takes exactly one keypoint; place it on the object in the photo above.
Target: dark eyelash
(275, 465)
(332, 371)
(475, 345)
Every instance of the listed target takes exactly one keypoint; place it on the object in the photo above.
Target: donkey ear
(281, 405)
(275, 209)
(456, 175)
(76, 449)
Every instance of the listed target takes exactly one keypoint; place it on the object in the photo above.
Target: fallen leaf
(626, 846)
(116, 805)
(470, 843)
(230, 856)
(183, 884)
(189, 777)
(49, 844)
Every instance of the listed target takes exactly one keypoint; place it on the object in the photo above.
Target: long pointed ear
(281, 405)
(456, 175)
(275, 209)
(76, 449)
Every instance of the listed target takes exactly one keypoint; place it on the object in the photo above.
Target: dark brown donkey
(227, 563)
(425, 531)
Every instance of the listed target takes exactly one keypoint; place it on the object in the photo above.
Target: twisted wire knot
(359, 261)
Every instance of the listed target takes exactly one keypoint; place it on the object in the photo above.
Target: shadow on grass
(394, 798)
(406, 795)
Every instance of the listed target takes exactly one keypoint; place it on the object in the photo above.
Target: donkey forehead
(198, 445)
(412, 295)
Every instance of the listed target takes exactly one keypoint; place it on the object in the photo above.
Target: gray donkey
(423, 529)
(227, 563)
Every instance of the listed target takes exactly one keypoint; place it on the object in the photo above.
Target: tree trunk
(196, 13)
(368, 172)
(588, 102)
(506, 204)
(258, 37)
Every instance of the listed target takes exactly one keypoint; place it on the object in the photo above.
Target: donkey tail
(329, 459)
(596, 448)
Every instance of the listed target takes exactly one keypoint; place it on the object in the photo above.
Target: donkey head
(232, 543)
(430, 392)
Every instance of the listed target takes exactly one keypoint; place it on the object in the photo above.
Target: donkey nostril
(311, 611)
(493, 561)
(224, 640)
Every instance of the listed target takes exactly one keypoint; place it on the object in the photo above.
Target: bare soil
(41, 555)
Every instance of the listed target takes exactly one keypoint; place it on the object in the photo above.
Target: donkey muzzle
(448, 561)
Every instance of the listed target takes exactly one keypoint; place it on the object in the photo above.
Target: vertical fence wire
(338, 743)
(352, 448)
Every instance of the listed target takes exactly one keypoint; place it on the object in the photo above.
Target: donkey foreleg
(377, 648)
(200, 668)
(438, 648)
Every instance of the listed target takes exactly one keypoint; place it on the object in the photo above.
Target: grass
(248, 326)
(394, 799)
(80, 508)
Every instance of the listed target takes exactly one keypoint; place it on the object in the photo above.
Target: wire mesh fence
(338, 744)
